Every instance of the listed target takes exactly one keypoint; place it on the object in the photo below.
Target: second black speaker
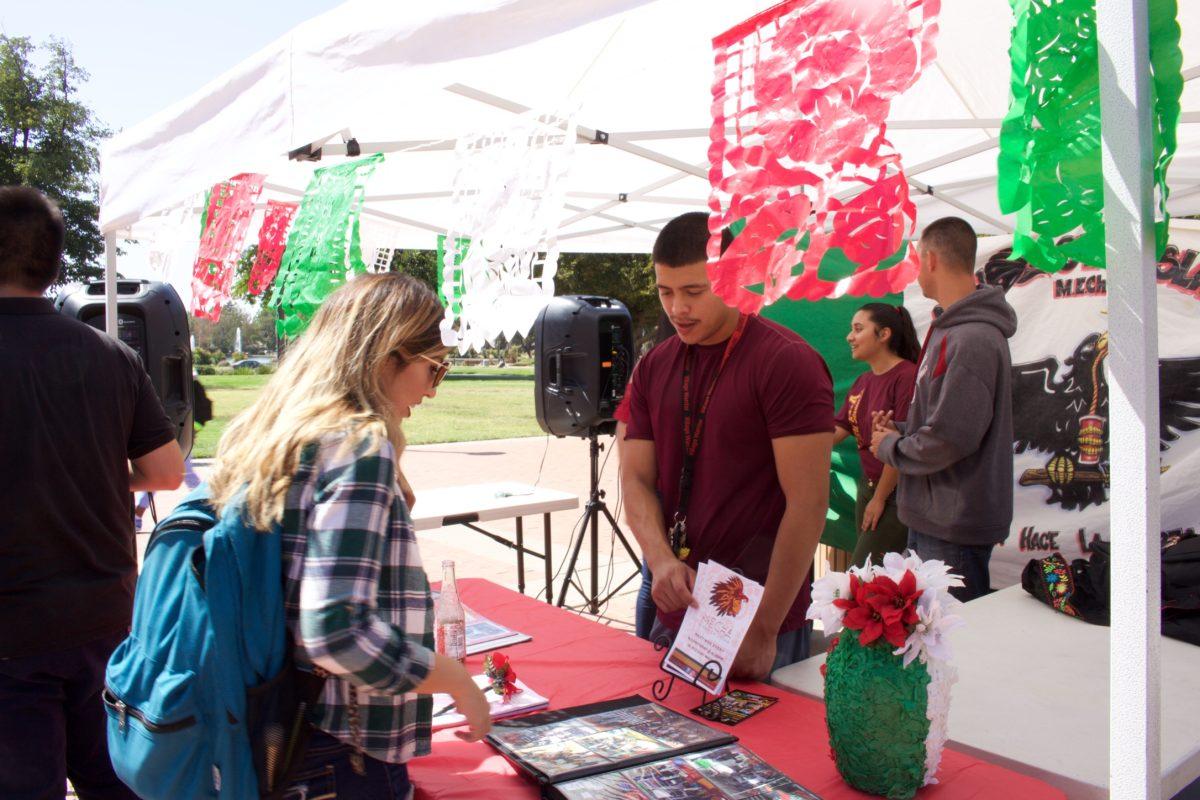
(153, 321)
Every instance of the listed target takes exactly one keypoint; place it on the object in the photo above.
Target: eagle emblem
(1067, 418)
(727, 597)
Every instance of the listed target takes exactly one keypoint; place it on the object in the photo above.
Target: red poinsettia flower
(882, 607)
(900, 599)
(851, 600)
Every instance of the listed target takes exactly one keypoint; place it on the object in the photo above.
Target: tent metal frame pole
(628, 223)
(1188, 192)
(370, 212)
(934, 163)
(625, 137)
(110, 284)
(592, 135)
(954, 155)
(384, 198)
(966, 183)
(636, 194)
(625, 198)
(895, 125)
(936, 193)
(610, 229)
(1134, 692)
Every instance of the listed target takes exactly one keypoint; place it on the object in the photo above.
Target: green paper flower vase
(876, 711)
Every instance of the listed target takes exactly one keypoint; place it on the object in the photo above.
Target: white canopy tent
(408, 79)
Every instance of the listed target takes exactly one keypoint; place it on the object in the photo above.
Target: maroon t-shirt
(891, 391)
(774, 385)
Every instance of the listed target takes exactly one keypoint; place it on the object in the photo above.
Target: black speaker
(583, 354)
(152, 320)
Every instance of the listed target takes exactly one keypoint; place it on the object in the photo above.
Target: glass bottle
(450, 620)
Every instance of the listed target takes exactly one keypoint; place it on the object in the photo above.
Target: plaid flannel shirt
(356, 595)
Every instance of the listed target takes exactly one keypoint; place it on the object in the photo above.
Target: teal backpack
(202, 698)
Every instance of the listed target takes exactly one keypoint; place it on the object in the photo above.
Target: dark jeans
(326, 774)
(52, 725)
(968, 560)
(644, 611)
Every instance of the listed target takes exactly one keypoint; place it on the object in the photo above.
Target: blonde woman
(319, 451)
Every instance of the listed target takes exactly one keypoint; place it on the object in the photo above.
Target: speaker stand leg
(594, 508)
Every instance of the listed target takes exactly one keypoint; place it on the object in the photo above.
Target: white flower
(831, 586)
(933, 578)
(928, 638)
(937, 710)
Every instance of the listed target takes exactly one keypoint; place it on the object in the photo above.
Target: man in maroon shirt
(760, 403)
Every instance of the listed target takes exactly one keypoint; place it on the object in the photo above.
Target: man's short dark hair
(954, 240)
(684, 240)
(32, 235)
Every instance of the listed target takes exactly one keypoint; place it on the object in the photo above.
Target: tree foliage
(49, 140)
(421, 264)
(628, 277)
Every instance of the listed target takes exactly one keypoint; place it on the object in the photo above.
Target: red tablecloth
(572, 661)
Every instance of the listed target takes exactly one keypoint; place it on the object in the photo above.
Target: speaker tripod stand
(594, 508)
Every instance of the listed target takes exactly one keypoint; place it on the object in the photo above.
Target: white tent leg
(110, 284)
(1134, 640)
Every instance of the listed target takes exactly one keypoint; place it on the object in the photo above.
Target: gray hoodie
(955, 451)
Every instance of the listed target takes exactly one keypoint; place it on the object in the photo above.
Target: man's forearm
(795, 545)
(644, 513)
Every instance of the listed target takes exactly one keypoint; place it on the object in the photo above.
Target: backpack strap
(285, 754)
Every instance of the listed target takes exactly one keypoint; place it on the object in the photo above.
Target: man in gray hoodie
(954, 452)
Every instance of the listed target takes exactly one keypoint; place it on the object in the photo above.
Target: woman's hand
(450, 677)
(872, 514)
(470, 701)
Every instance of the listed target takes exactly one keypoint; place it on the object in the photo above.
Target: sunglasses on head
(442, 367)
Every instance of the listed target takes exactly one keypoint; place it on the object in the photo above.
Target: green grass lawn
(465, 409)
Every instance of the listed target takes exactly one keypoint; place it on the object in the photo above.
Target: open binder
(631, 748)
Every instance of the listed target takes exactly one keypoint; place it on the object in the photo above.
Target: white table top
(484, 502)
(1032, 695)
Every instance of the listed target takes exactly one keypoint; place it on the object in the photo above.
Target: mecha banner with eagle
(1061, 420)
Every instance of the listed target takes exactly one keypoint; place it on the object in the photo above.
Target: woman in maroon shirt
(883, 336)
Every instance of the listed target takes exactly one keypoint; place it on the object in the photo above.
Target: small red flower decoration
(501, 675)
(881, 608)
(829, 651)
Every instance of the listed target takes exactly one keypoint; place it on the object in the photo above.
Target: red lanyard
(691, 438)
(677, 535)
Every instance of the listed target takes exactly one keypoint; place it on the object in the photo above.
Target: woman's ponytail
(903, 341)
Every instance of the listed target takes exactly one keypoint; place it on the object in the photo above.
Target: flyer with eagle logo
(712, 631)
(1060, 381)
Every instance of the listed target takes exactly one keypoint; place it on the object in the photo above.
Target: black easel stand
(662, 688)
(594, 508)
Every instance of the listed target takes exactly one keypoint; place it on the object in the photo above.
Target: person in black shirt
(80, 427)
